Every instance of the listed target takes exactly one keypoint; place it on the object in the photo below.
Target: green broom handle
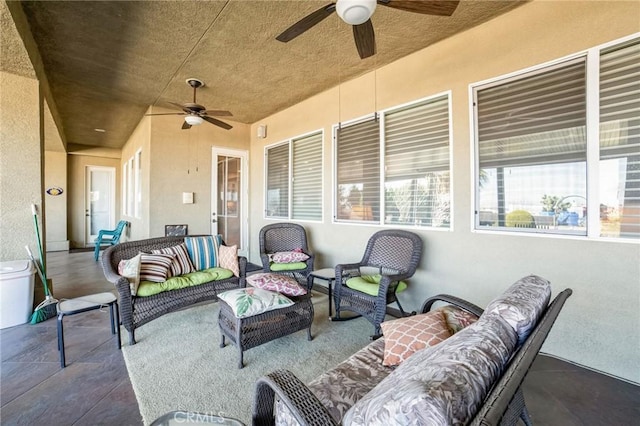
(34, 210)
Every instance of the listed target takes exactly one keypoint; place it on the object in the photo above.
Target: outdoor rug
(177, 362)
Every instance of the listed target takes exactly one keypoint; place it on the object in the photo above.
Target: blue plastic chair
(109, 237)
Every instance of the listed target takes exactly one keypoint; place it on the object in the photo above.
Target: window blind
(277, 203)
(358, 171)
(538, 119)
(417, 164)
(620, 140)
(307, 178)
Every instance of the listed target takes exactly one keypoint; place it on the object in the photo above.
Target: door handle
(213, 221)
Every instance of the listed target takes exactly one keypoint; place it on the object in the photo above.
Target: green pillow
(288, 266)
(369, 284)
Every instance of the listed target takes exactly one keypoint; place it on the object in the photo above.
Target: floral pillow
(405, 336)
(246, 302)
(289, 256)
(275, 282)
(130, 269)
(228, 259)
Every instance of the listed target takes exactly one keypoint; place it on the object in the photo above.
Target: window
(132, 186)
(408, 150)
(532, 144)
(294, 179)
(358, 171)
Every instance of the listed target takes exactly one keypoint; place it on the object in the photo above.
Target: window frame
(290, 142)
(591, 57)
(380, 116)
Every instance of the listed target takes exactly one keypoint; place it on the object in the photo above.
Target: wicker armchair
(282, 237)
(395, 254)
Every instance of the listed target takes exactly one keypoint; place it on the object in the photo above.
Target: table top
(326, 273)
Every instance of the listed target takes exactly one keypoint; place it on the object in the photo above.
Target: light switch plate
(187, 198)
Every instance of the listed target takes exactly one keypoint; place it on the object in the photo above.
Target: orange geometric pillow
(405, 336)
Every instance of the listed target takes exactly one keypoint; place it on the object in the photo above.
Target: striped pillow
(203, 251)
(155, 267)
(181, 263)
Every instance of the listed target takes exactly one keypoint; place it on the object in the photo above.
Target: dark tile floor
(94, 388)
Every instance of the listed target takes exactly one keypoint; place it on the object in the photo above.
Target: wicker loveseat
(136, 311)
(473, 377)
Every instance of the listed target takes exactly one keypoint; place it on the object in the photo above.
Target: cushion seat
(149, 288)
(369, 284)
(294, 266)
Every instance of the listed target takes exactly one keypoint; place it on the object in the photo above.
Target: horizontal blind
(416, 163)
(417, 140)
(358, 171)
(307, 178)
(278, 181)
(538, 119)
(620, 136)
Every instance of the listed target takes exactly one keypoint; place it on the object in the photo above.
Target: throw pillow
(228, 259)
(457, 318)
(275, 282)
(203, 251)
(130, 269)
(181, 263)
(405, 336)
(289, 257)
(155, 267)
(246, 302)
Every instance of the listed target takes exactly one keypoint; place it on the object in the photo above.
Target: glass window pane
(358, 175)
(307, 178)
(417, 187)
(277, 203)
(532, 152)
(619, 174)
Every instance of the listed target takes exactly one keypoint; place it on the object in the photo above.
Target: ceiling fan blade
(166, 113)
(365, 39)
(186, 126)
(218, 113)
(181, 107)
(306, 23)
(428, 7)
(216, 122)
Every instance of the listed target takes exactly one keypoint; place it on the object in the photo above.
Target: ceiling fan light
(355, 12)
(193, 120)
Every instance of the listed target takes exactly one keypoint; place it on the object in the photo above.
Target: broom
(47, 308)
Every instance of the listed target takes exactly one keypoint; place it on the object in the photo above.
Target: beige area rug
(178, 364)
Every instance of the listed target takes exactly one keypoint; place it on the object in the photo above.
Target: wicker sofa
(473, 377)
(136, 311)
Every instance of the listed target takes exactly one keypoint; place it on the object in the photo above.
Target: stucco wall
(20, 155)
(55, 176)
(598, 327)
(181, 162)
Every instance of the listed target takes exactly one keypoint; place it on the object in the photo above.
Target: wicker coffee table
(249, 332)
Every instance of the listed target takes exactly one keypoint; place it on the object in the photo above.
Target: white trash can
(16, 292)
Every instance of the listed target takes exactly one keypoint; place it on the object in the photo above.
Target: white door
(229, 212)
(100, 201)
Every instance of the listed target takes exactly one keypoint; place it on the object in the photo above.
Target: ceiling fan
(195, 114)
(358, 14)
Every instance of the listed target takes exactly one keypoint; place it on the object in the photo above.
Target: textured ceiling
(107, 61)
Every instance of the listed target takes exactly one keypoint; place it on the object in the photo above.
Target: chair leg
(61, 340)
(96, 252)
(402, 312)
(115, 321)
(132, 338)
